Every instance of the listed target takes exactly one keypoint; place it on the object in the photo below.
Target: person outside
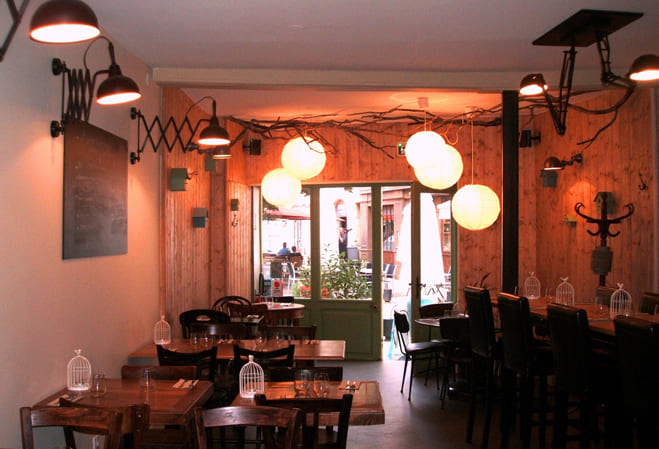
(284, 251)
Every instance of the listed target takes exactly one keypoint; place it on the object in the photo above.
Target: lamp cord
(110, 49)
(472, 150)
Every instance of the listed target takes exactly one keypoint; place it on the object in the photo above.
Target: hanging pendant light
(445, 171)
(280, 188)
(63, 22)
(475, 206)
(303, 157)
(423, 148)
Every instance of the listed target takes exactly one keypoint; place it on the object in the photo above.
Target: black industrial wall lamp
(63, 22)
(554, 163)
(78, 89)
(16, 14)
(581, 30)
(213, 135)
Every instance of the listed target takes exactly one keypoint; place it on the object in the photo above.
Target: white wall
(48, 306)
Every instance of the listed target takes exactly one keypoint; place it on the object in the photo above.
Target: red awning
(288, 213)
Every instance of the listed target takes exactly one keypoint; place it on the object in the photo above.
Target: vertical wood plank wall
(197, 276)
(186, 249)
(612, 164)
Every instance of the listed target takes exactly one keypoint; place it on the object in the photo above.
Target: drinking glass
(321, 384)
(302, 382)
(147, 382)
(549, 295)
(98, 387)
(601, 308)
(195, 339)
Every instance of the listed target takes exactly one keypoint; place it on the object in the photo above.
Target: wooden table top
(304, 350)
(367, 408)
(169, 406)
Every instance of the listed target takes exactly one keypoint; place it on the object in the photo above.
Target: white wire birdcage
(78, 372)
(621, 303)
(565, 293)
(162, 332)
(532, 287)
(251, 379)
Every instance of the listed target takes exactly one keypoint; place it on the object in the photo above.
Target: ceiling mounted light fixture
(280, 188)
(80, 85)
(554, 163)
(586, 27)
(63, 22)
(213, 135)
(303, 157)
(475, 206)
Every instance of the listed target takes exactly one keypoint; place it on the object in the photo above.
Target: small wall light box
(214, 137)
(80, 85)
(586, 27)
(199, 217)
(178, 177)
(235, 207)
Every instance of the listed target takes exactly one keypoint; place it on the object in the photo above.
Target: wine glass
(302, 382)
(98, 387)
(147, 382)
(321, 384)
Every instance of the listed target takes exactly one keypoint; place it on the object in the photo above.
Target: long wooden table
(169, 406)
(367, 408)
(307, 350)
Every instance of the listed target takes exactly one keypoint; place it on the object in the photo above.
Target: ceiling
(264, 59)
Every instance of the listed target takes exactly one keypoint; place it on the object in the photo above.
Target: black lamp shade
(64, 21)
(117, 88)
(645, 68)
(214, 134)
(533, 84)
(553, 163)
(222, 152)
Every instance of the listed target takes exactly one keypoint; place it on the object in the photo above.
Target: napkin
(55, 402)
(182, 383)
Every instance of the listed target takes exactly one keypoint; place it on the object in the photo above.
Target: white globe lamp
(280, 188)
(423, 148)
(303, 157)
(475, 207)
(445, 172)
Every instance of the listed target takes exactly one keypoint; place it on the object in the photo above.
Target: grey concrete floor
(421, 423)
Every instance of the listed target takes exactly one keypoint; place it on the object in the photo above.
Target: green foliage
(340, 278)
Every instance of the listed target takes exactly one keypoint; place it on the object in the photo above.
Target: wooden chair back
(649, 301)
(481, 321)
(134, 422)
(200, 315)
(233, 305)
(267, 359)
(84, 420)
(517, 332)
(316, 406)
(603, 295)
(205, 361)
(268, 419)
(160, 372)
(221, 331)
(290, 332)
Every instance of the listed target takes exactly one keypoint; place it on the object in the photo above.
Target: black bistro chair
(202, 316)
(526, 359)
(486, 353)
(413, 352)
(638, 361)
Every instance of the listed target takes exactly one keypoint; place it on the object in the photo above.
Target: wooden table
(286, 312)
(307, 350)
(169, 406)
(367, 408)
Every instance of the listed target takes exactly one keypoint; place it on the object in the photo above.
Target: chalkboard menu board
(95, 192)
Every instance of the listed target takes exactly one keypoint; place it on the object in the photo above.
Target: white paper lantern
(303, 157)
(475, 207)
(280, 188)
(423, 148)
(444, 173)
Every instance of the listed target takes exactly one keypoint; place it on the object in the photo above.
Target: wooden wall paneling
(186, 249)
(218, 247)
(610, 164)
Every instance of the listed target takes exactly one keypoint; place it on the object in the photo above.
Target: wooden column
(510, 197)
